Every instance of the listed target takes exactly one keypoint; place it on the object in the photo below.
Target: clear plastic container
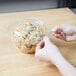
(27, 33)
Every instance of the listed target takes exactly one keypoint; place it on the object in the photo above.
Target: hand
(65, 32)
(46, 50)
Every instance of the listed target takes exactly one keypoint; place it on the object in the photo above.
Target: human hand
(46, 50)
(64, 32)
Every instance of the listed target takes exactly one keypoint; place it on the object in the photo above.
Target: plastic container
(27, 33)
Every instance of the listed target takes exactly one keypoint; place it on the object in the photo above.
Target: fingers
(43, 44)
(39, 50)
(58, 31)
(61, 35)
(46, 39)
(40, 45)
(37, 47)
(66, 28)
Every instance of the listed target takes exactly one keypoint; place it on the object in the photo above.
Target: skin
(64, 32)
(44, 52)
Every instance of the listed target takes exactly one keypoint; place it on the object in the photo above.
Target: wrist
(64, 66)
(56, 58)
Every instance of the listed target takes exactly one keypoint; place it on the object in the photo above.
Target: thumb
(40, 45)
(37, 48)
(46, 39)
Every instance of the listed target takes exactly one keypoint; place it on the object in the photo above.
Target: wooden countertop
(15, 63)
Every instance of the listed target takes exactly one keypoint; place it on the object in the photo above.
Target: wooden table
(15, 63)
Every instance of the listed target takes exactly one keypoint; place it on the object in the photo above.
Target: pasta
(28, 34)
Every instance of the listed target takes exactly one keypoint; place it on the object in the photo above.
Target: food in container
(28, 33)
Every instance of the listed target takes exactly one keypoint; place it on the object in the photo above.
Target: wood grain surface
(15, 63)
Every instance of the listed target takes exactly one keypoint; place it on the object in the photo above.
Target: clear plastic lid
(27, 33)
